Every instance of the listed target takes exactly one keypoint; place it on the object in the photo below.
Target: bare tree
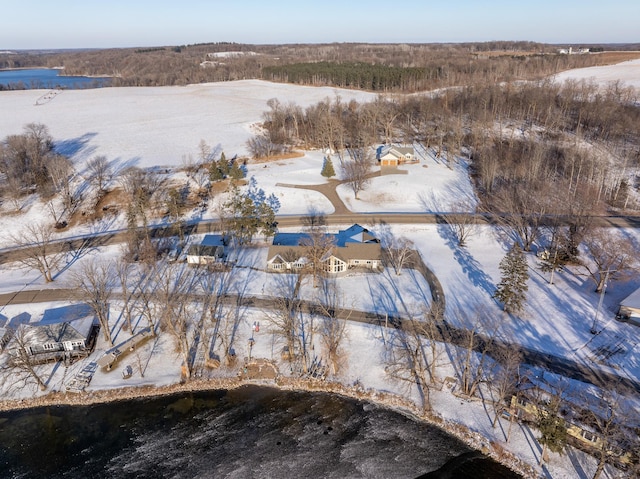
(503, 378)
(39, 251)
(610, 257)
(262, 146)
(216, 285)
(356, 171)
(397, 251)
(611, 417)
(407, 360)
(174, 284)
(94, 283)
(61, 170)
(100, 172)
(288, 321)
(19, 368)
(124, 272)
(316, 245)
(470, 356)
(462, 221)
(332, 327)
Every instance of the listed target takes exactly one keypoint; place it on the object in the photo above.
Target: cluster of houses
(354, 247)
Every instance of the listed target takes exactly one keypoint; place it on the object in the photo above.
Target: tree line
(378, 67)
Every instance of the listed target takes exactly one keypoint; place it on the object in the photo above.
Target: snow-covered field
(626, 72)
(156, 126)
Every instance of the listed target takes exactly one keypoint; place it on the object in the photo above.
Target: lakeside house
(355, 247)
(62, 333)
(534, 393)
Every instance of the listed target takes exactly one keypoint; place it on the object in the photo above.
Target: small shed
(629, 310)
(209, 251)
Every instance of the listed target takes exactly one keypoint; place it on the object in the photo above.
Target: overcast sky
(39, 24)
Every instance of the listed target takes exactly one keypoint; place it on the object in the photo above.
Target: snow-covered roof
(58, 332)
(212, 240)
(632, 301)
(355, 234)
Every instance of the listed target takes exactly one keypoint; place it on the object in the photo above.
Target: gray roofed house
(58, 332)
(209, 251)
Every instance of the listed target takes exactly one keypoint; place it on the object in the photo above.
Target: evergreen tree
(511, 291)
(327, 168)
(236, 172)
(224, 165)
(553, 429)
(215, 171)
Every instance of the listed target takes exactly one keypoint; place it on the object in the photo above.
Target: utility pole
(594, 326)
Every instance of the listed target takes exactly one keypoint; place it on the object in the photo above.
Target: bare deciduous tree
(332, 327)
(173, 287)
(462, 221)
(94, 283)
(100, 171)
(289, 322)
(398, 252)
(470, 356)
(609, 257)
(356, 171)
(316, 245)
(124, 272)
(38, 249)
(407, 360)
(19, 368)
(504, 378)
(611, 417)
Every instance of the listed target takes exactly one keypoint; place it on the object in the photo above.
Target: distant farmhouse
(355, 247)
(391, 155)
(571, 51)
(209, 251)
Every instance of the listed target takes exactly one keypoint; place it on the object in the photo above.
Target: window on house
(589, 436)
(48, 346)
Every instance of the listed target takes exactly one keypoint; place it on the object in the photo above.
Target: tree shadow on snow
(78, 148)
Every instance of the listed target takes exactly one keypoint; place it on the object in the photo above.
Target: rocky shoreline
(400, 404)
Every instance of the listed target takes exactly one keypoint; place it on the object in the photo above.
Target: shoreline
(399, 404)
